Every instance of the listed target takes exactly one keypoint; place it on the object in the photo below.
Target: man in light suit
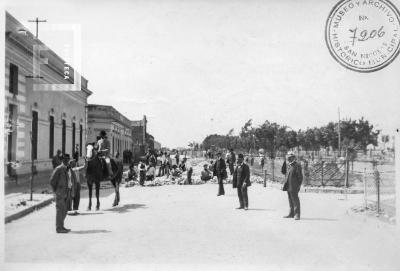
(61, 183)
(294, 178)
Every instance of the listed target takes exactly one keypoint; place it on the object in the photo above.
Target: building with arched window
(39, 120)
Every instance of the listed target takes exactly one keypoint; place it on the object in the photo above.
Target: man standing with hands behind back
(60, 184)
(294, 178)
(241, 180)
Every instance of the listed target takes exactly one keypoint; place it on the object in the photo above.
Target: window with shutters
(73, 138)
(35, 120)
(51, 136)
(13, 86)
(63, 135)
(80, 139)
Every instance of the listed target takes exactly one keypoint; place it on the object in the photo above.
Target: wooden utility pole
(37, 21)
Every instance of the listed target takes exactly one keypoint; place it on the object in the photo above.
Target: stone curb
(27, 211)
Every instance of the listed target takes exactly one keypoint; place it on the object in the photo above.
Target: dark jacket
(294, 177)
(244, 176)
(231, 159)
(219, 169)
(59, 181)
(56, 161)
(75, 181)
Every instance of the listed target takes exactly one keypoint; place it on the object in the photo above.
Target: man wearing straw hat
(294, 178)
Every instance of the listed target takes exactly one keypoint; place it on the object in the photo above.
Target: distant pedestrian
(206, 174)
(220, 172)
(231, 161)
(177, 157)
(262, 162)
(294, 178)
(182, 165)
(75, 191)
(163, 159)
(57, 159)
(132, 175)
(241, 181)
(75, 155)
(153, 159)
(251, 160)
(60, 184)
(151, 172)
(189, 175)
(142, 173)
(168, 164)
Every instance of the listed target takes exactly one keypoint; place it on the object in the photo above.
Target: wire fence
(371, 174)
(379, 185)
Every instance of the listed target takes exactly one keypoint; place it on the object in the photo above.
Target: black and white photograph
(200, 135)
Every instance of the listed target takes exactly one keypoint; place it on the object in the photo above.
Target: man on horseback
(104, 149)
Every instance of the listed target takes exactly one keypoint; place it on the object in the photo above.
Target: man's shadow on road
(90, 231)
(318, 219)
(125, 208)
(97, 213)
(260, 209)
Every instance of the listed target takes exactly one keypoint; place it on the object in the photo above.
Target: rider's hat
(290, 154)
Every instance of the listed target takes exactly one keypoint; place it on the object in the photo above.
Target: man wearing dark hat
(241, 180)
(61, 183)
(220, 172)
(294, 178)
(104, 148)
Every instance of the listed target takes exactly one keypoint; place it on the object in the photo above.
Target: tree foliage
(273, 137)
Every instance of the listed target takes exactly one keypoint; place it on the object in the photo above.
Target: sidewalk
(18, 205)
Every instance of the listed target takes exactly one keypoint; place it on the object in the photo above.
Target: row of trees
(273, 137)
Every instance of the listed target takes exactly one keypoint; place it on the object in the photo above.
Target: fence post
(273, 169)
(365, 189)
(346, 181)
(322, 173)
(378, 194)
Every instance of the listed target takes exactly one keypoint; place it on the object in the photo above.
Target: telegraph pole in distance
(37, 21)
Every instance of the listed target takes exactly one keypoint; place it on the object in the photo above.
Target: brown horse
(96, 171)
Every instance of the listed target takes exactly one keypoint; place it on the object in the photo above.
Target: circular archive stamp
(363, 35)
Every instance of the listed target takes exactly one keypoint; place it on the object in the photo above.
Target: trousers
(243, 197)
(61, 211)
(73, 200)
(221, 190)
(294, 203)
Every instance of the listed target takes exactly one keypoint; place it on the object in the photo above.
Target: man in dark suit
(241, 180)
(220, 171)
(56, 161)
(61, 184)
(294, 178)
(231, 161)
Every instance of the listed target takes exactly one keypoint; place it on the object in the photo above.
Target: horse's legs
(116, 194)
(90, 186)
(97, 195)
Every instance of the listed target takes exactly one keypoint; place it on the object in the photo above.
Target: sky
(196, 68)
